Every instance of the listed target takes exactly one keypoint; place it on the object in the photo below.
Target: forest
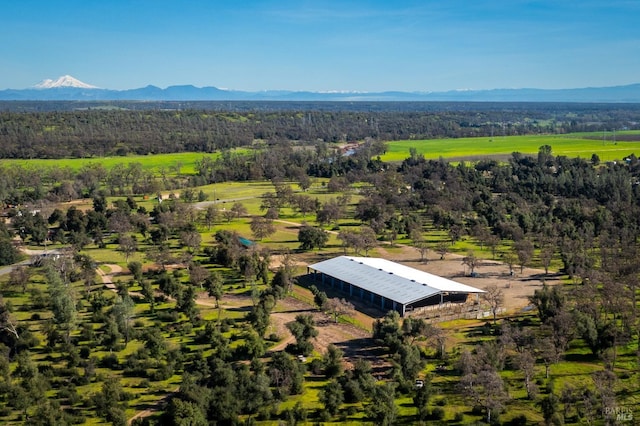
(186, 329)
(96, 130)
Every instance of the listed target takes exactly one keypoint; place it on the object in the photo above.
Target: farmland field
(581, 145)
(185, 160)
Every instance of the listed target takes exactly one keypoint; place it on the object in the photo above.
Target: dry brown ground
(516, 288)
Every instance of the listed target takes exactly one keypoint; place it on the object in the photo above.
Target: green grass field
(186, 161)
(571, 145)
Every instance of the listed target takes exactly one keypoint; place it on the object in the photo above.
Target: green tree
(262, 227)
(8, 253)
(63, 304)
(214, 286)
(319, 297)
(311, 237)
(332, 397)
(332, 361)
(383, 409)
(421, 399)
(303, 330)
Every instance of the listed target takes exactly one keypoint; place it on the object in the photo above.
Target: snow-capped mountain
(64, 81)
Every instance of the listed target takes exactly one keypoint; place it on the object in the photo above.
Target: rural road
(31, 253)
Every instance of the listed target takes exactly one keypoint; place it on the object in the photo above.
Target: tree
(442, 248)
(421, 399)
(148, 294)
(311, 237)
(19, 277)
(191, 240)
(472, 262)
(286, 374)
(238, 210)
(181, 412)
(546, 255)
(304, 204)
(332, 361)
(8, 253)
(63, 305)
(494, 297)
(526, 363)
(214, 287)
(332, 397)
(369, 239)
(382, 409)
(211, 215)
(388, 331)
(198, 274)
(262, 227)
(128, 245)
(319, 297)
(136, 270)
(7, 323)
(123, 313)
(420, 244)
(330, 212)
(524, 251)
(509, 259)
(549, 301)
(303, 330)
(338, 307)
(486, 389)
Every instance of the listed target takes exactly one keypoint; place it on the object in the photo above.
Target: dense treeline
(94, 133)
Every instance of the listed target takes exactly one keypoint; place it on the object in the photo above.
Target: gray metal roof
(389, 279)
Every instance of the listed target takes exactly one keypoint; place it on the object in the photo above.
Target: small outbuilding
(389, 285)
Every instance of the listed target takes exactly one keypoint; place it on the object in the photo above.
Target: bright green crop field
(582, 145)
(185, 161)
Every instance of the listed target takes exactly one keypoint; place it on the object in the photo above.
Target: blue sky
(360, 45)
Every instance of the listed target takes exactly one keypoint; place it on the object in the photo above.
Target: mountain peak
(63, 81)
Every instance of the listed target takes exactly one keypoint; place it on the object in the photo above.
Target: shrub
(109, 361)
(437, 413)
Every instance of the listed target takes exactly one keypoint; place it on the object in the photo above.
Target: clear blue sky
(374, 45)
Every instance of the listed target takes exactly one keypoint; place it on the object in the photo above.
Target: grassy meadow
(582, 145)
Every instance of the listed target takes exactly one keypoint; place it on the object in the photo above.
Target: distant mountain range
(67, 88)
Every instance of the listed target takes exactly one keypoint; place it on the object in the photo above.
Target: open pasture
(582, 145)
(184, 162)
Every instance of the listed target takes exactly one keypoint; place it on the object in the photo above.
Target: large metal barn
(389, 285)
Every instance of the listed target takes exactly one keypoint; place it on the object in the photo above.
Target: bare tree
(472, 262)
(494, 297)
(19, 277)
(211, 215)
(197, 274)
(338, 307)
(191, 240)
(420, 244)
(442, 248)
(526, 362)
(486, 389)
(546, 255)
(128, 245)
(524, 251)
